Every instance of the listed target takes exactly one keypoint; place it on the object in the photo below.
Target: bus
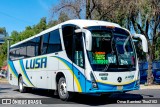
(77, 56)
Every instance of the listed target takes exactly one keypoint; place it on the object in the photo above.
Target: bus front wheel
(22, 89)
(62, 90)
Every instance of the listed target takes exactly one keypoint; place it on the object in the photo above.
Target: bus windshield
(112, 50)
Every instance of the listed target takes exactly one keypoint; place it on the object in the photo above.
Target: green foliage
(28, 32)
(3, 31)
(157, 49)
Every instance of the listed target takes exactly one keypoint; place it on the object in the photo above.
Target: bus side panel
(52, 69)
(52, 79)
(74, 75)
(65, 66)
(21, 69)
(12, 74)
(42, 75)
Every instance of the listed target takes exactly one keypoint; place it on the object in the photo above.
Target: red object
(4, 68)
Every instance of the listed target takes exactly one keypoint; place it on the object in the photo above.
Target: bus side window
(31, 48)
(73, 44)
(78, 52)
(36, 44)
(54, 44)
(12, 54)
(45, 44)
(68, 39)
(23, 50)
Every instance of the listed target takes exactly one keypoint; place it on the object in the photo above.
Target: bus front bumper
(107, 88)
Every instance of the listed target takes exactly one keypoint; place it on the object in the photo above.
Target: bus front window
(111, 51)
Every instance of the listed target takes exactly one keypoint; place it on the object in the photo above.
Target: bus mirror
(88, 38)
(144, 41)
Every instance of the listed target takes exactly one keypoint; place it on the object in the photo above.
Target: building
(1, 39)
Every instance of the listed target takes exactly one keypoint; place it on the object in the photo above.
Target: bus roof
(79, 22)
(85, 23)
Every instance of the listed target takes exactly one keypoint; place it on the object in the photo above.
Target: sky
(17, 14)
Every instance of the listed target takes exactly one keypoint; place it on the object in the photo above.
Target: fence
(143, 67)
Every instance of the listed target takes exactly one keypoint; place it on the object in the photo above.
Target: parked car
(3, 74)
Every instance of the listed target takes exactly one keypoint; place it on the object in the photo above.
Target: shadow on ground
(87, 99)
(106, 99)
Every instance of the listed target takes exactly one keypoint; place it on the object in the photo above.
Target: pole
(8, 49)
(8, 45)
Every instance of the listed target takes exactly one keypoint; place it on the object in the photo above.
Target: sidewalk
(150, 86)
(3, 81)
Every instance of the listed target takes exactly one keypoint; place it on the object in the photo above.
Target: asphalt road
(8, 91)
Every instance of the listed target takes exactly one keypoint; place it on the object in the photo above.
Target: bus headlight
(93, 80)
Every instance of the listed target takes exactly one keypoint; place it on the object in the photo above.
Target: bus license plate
(119, 87)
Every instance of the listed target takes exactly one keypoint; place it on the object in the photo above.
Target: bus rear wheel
(62, 90)
(22, 89)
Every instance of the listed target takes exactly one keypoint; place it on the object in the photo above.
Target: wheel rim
(63, 88)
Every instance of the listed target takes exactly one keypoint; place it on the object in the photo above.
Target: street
(8, 91)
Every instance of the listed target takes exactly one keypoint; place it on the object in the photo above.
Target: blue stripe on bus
(24, 72)
(13, 70)
(110, 88)
(75, 72)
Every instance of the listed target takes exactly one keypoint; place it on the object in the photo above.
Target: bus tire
(22, 89)
(62, 90)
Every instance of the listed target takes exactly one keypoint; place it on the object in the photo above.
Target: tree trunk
(150, 77)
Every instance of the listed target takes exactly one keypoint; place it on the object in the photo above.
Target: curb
(150, 87)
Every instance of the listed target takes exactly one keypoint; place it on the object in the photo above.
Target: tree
(157, 48)
(142, 15)
(42, 25)
(73, 8)
(148, 12)
(93, 9)
(3, 31)
(19, 36)
(62, 17)
(52, 23)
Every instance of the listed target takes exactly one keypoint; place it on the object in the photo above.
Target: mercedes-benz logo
(119, 79)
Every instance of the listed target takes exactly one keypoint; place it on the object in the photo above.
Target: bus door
(78, 61)
(74, 49)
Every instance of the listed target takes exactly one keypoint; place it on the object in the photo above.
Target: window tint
(68, 32)
(48, 43)
(37, 46)
(78, 52)
(12, 54)
(54, 42)
(45, 43)
(33, 46)
(23, 50)
(73, 44)
(18, 52)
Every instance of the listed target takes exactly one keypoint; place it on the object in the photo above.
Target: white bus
(83, 56)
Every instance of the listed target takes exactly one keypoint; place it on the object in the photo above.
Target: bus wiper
(106, 68)
(112, 44)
